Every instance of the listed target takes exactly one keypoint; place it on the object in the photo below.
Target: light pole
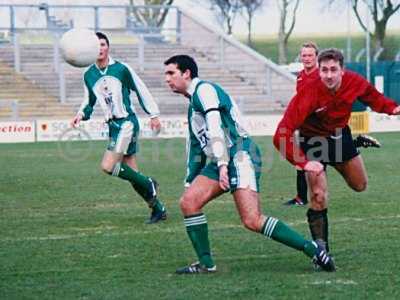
(368, 43)
(348, 32)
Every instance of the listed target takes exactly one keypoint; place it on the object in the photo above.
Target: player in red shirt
(321, 112)
(308, 57)
(310, 72)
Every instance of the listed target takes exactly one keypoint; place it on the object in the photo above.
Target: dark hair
(101, 35)
(331, 53)
(183, 63)
(310, 45)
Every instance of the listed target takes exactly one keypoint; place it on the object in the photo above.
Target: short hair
(101, 35)
(310, 45)
(183, 63)
(331, 53)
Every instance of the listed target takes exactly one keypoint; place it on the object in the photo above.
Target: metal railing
(56, 19)
(378, 54)
(228, 40)
(227, 43)
(360, 54)
(137, 18)
(58, 64)
(171, 30)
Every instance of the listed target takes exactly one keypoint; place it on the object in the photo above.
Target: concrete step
(37, 67)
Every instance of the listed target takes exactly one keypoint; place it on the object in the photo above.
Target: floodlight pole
(62, 83)
(56, 52)
(368, 44)
(17, 52)
(59, 68)
(348, 32)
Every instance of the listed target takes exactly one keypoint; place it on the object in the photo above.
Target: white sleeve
(210, 102)
(85, 101)
(146, 100)
(208, 96)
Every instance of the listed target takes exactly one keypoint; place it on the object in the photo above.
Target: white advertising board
(17, 132)
(60, 130)
(96, 129)
(171, 127)
(383, 122)
(262, 124)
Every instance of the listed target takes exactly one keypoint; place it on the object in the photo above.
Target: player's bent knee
(188, 204)
(108, 167)
(360, 186)
(182, 203)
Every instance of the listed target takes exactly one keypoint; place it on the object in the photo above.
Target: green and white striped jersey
(112, 87)
(215, 125)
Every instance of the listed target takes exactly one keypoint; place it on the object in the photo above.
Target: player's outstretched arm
(396, 110)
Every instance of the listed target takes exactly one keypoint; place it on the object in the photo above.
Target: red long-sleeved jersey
(303, 78)
(316, 111)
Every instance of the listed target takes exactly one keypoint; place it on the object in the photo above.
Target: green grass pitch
(70, 232)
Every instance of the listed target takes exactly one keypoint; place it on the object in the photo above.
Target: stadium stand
(256, 83)
(33, 101)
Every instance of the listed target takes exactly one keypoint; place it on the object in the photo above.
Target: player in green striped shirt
(221, 156)
(109, 83)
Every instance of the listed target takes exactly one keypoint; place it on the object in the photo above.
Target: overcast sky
(311, 18)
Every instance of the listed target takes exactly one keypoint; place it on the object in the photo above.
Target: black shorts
(330, 150)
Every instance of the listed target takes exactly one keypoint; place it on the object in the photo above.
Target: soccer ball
(79, 47)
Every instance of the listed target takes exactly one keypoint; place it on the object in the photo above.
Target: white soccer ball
(79, 47)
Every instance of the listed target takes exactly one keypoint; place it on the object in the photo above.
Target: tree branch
(355, 9)
(395, 9)
(164, 14)
(374, 11)
(293, 20)
(279, 5)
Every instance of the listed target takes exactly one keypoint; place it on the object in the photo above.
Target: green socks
(282, 233)
(141, 184)
(197, 230)
(157, 206)
(138, 180)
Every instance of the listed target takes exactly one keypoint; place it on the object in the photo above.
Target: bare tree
(381, 11)
(250, 7)
(150, 16)
(288, 10)
(227, 11)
